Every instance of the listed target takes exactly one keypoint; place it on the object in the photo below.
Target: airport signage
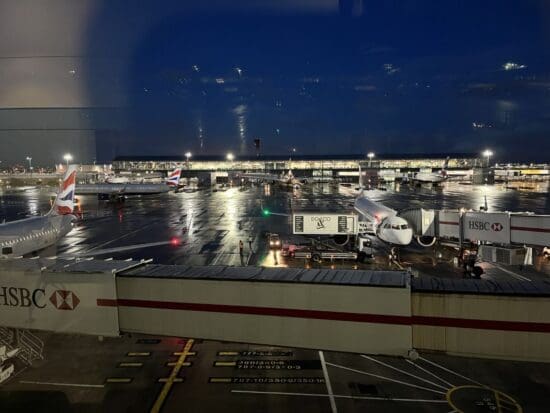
(58, 301)
(24, 297)
(324, 224)
(484, 226)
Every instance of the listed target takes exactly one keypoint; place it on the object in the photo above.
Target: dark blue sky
(340, 77)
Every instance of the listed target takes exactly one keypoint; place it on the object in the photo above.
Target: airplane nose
(405, 236)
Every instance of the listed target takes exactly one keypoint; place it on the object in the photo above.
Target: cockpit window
(404, 226)
(395, 226)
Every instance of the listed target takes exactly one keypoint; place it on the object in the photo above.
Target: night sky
(325, 77)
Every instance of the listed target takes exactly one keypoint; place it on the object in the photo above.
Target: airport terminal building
(333, 166)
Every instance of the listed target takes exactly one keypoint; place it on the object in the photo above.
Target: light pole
(68, 158)
(487, 153)
(29, 159)
(370, 155)
(187, 156)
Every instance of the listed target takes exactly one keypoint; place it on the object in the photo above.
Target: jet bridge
(503, 228)
(376, 312)
(342, 310)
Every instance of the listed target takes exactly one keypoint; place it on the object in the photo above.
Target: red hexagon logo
(497, 226)
(64, 300)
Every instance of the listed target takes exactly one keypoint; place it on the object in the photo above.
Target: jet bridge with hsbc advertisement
(344, 310)
(377, 312)
(503, 228)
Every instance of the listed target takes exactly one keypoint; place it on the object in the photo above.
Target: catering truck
(342, 228)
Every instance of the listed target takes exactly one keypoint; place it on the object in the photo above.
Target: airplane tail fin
(173, 179)
(445, 165)
(64, 202)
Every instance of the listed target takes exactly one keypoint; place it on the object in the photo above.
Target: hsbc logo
(37, 298)
(485, 226)
(64, 300)
(497, 226)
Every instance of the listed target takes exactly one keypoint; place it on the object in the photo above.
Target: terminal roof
(295, 157)
(480, 287)
(398, 279)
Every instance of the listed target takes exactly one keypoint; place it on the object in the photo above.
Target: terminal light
(68, 158)
(230, 156)
(487, 153)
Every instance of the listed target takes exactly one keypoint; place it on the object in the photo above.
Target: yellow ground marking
(172, 378)
(173, 363)
(118, 380)
(139, 354)
(510, 405)
(219, 380)
(179, 353)
(225, 363)
(129, 364)
(228, 353)
(165, 380)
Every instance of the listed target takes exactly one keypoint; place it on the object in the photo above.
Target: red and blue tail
(64, 202)
(173, 179)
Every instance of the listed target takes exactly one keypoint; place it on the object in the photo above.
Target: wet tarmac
(82, 374)
(204, 227)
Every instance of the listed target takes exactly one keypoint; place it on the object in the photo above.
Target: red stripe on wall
(529, 229)
(334, 315)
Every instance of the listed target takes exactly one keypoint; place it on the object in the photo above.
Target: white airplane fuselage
(25, 236)
(386, 224)
(124, 189)
(429, 178)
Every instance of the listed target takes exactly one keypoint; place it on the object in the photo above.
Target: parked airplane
(283, 179)
(119, 191)
(28, 235)
(113, 179)
(432, 177)
(386, 225)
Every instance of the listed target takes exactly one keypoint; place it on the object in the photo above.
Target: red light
(175, 241)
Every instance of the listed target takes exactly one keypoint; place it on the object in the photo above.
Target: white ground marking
(385, 378)
(450, 371)
(512, 273)
(122, 236)
(340, 396)
(44, 383)
(405, 372)
(430, 373)
(120, 249)
(327, 382)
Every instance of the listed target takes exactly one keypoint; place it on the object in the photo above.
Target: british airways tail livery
(173, 179)
(64, 202)
(22, 237)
